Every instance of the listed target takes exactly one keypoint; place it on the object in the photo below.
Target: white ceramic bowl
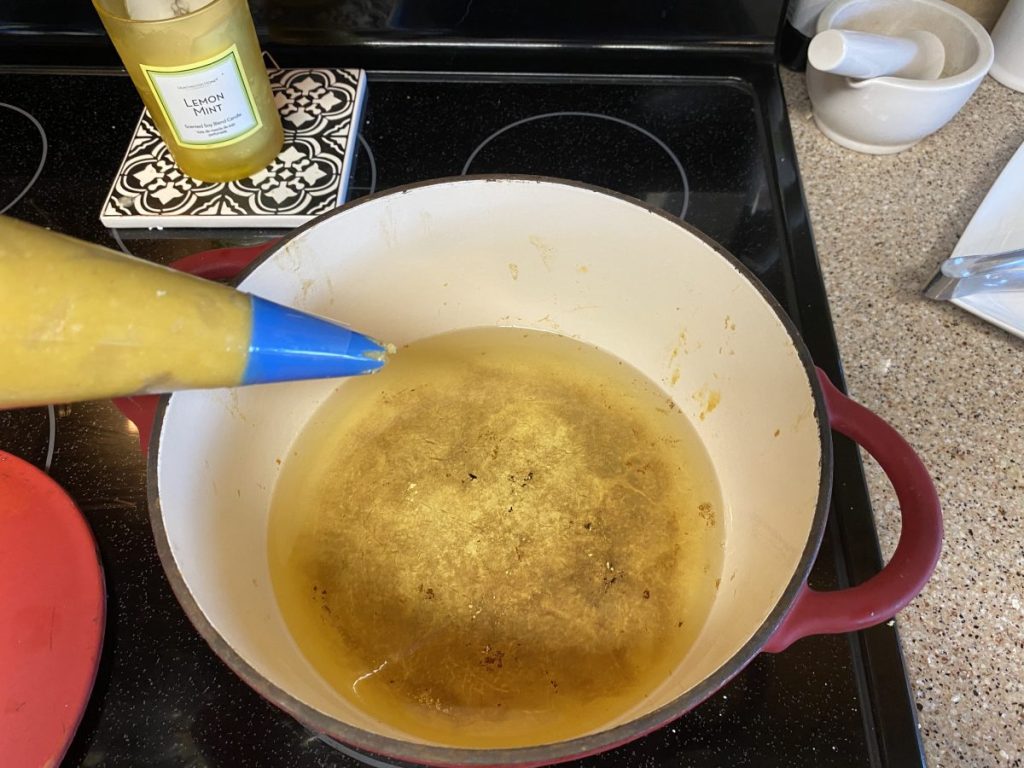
(884, 115)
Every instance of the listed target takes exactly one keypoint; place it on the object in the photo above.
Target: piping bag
(83, 322)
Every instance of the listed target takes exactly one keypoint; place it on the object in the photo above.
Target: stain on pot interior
(547, 253)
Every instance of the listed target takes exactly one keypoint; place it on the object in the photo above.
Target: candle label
(208, 104)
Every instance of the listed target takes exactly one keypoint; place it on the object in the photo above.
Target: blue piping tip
(287, 345)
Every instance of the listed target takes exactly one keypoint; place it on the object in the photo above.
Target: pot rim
(543, 754)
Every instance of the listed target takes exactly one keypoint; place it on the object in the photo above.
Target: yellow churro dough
(83, 322)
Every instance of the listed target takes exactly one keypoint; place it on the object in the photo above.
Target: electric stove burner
(621, 156)
(373, 762)
(19, 169)
(364, 178)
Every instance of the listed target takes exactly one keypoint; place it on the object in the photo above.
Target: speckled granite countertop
(953, 385)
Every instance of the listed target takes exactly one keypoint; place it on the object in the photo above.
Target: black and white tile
(319, 110)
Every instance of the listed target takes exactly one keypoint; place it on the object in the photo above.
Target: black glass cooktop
(715, 150)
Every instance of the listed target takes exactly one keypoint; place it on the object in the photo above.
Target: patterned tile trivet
(319, 110)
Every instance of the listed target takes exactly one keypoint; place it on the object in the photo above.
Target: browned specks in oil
(707, 513)
(493, 658)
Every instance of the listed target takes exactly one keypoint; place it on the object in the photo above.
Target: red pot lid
(52, 608)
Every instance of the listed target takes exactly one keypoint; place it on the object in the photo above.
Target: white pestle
(917, 55)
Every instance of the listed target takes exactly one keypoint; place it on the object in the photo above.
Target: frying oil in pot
(504, 538)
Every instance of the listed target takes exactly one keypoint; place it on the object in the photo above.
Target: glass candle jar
(202, 78)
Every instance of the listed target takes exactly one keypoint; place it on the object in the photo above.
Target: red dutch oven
(588, 264)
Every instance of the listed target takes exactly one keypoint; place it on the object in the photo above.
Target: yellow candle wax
(203, 81)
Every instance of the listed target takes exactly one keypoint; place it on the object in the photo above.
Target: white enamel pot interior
(531, 253)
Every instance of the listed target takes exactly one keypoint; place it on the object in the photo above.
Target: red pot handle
(879, 598)
(216, 264)
(221, 263)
